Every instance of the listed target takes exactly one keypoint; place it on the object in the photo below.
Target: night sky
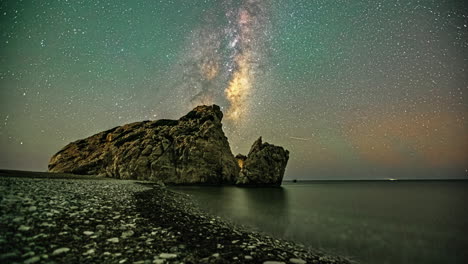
(354, 89)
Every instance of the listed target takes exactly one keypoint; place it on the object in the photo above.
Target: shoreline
(101, 220)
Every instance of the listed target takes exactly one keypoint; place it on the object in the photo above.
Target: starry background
(354, 89)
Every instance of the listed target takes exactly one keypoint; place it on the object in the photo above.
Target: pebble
(17, 219)
(32, 260)
(113, 240)
(273, 262)
(89, 252)
(167, 255)
(174, 249)
(248, 257)
(216, 255)
(60, 251)
(297, 261)
(88, 233)
(24, 228)
(29, 254)
(128, 233)
(32, 208)
(8, 255)
(159, 261)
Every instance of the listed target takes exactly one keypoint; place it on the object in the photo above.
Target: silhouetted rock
(190, 150)
(265, 165)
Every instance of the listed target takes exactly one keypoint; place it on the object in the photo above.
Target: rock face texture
(265, 165)
(191, 150)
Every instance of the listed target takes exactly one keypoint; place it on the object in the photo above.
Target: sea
(371, 222)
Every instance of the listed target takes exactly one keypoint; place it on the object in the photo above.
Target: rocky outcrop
(265, 165)
(191, 150)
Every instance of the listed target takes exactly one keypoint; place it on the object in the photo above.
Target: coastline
(100, 220)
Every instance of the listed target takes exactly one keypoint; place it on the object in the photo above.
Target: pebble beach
(59, 218)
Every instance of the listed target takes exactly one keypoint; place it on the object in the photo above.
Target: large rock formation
(264, 165)
(190, 150)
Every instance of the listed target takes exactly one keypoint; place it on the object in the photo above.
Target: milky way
(226, 58)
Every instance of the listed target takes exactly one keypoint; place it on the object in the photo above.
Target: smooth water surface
(373, 222)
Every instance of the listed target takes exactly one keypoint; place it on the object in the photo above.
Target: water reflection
(377, 222)
(246, 205)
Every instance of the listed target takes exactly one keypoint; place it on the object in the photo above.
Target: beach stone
(18, 219)
(174, 249)
(9, 255)
(88, 233)
(24, 228)
(113, 240)
(32, 260)
(60, 251)
(248, 257)
(128, 233)
(89, 252)
(167, 255)
(297, 261)
(28, 254)
(273, 262)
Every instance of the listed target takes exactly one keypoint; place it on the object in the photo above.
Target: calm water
(374, 222)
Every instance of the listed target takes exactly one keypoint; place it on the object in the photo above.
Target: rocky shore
(50, 218)
(190, 150)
